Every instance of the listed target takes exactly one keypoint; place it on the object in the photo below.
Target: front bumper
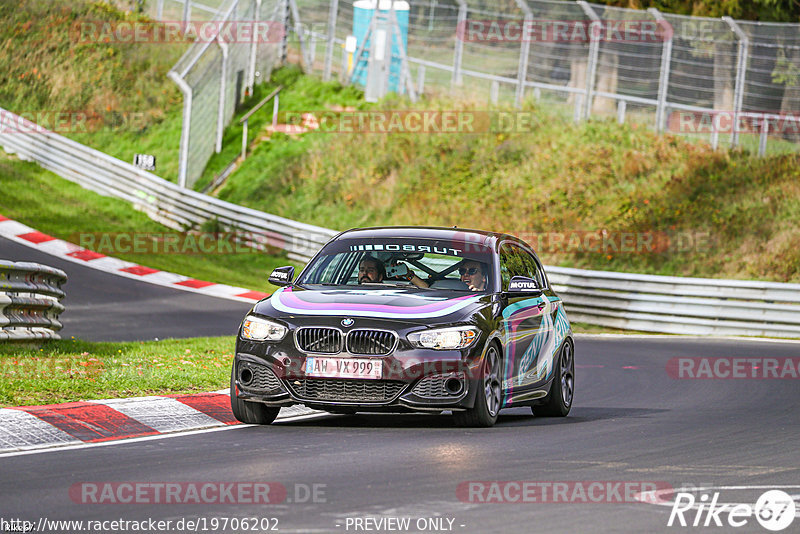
(413, 380)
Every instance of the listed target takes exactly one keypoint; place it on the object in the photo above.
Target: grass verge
(73, 370)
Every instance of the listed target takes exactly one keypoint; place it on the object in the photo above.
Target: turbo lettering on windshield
(408, 248)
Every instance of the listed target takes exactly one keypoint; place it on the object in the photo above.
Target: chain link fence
(731, 82)
(217, 73)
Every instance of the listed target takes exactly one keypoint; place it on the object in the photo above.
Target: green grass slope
(706, 213)
(123, 89)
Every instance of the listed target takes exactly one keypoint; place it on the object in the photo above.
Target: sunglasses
(472, 270)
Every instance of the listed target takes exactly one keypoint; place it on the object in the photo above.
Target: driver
(371, 271)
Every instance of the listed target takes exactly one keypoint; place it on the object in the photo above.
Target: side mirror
(282, 276)
(522, 285)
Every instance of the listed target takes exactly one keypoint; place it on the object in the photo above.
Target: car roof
(429, 232)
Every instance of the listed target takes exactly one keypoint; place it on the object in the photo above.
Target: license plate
(344, 367)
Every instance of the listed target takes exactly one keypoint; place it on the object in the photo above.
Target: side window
(512, 263)
(515, 261)
(540, 277)
(535, 268)
(505, 276)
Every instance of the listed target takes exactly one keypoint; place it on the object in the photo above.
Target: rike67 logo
(774, 510)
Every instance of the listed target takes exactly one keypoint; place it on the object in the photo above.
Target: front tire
(251, 413)
(487, 398)
(559, 401)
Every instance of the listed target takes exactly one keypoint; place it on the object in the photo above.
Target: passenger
(401, 270)
(473, 273)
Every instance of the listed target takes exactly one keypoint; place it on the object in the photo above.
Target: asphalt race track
(105, 307)
(630, 422)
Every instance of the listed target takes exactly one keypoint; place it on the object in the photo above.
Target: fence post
(762, 136)
(283, 50)
(621, 106)
(183, 157)
(332, 14)
(461, 31)
(222, 88)
(715, 122)
(299, 30)
(160, 10)
(666, 58)
(595, 30)
(344, 76)
(275, 106)
(576, 111)
(741, 71)
(244, 140)
(431, 15)
(388, 57)
(187, 12)
(524, 53)
(251, 67)
(421, 79)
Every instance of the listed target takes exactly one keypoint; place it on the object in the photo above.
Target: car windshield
(436, 264)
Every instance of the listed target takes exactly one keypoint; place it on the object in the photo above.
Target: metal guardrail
(244, 120)
(629, 301)
(676, 305)
(29, 301)
(161, 200)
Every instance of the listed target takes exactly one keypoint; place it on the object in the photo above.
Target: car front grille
(319, 340)
(372, 342)
(433, 387)
(263, 379)
(327, 389)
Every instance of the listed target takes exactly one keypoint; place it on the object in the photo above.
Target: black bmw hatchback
(408, 319)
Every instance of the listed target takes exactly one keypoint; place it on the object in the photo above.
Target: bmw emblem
(346, 322)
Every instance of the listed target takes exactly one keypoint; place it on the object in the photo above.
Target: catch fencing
(723, 80)
(727, 81)
(215, 75)
(30, 304)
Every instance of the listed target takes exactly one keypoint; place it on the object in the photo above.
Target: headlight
(459, 337)
(259, 329)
